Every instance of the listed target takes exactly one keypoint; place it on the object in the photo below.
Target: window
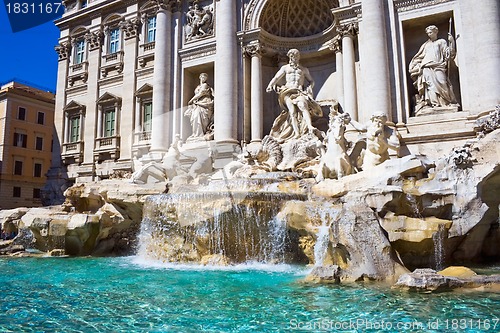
(109, 123)
(36, 193)
(18, 168)
(74, 129)
(16, 192)
(39, 143)
(83, 4)
(151, 29)
(79, 51)
(114, 40)
(37, 170)
(147, 116)
(20, 140)
(40, 119)
(21, 114)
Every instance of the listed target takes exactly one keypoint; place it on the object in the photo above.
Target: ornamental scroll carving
(130, 28)
(63, 50)
(253, 50)
(94, 39)
(169, 5)
(348, 29)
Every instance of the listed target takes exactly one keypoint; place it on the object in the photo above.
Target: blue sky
(28, 55)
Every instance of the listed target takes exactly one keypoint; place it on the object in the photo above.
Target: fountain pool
(129, 295)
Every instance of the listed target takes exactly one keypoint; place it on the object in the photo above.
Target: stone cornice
(348, 13)
(198, 51)
(275, 44)
(405, 5)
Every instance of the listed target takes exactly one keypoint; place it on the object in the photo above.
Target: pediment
(108, 98)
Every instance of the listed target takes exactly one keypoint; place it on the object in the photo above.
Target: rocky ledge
(428, 280)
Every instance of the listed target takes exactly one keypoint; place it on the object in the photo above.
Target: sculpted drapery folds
(296, 101)
(429, 67)
(200, 108)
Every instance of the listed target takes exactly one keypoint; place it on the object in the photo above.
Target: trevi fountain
(334, 220)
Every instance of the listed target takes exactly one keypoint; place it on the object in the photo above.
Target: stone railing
(72, 152)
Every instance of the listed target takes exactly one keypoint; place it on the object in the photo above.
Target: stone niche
(191, 81)
(414, 36)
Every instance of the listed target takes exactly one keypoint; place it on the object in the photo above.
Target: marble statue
(169, 167)
(200, 109)
(295, 100)
(334, 161)
(379, 139)
(199, 22)
(429, 69)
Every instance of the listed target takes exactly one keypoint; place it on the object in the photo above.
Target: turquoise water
(126, 295)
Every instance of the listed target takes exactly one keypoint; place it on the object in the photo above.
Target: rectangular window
(114, 41)
(151, 33)
(74, 129)
(16, 192)
(109, 123)
(21, 114)
(18, 168)
(37, 170)
(39, 143)
(36, 193)
(20, 140)
(84, 4)
(147, 117)
(40, 119)
(79, 51)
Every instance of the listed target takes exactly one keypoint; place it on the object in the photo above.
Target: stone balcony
(72, 152)
(107, 148)
(112, 62)
(78, 72)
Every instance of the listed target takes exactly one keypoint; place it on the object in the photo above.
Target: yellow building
(26, 129)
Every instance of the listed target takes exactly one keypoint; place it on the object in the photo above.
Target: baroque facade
(128, 71)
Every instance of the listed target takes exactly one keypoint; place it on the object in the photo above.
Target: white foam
(247, 266)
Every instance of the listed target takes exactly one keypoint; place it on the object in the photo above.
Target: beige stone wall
(35, 101)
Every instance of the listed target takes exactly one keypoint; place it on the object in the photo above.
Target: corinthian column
(336, 46)
(161, 80)
(257, 116)
(347, 32)
(226, 69)
(374, 58)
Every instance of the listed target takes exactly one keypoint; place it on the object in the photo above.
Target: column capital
(350, 29)
(335, 44)
(94, 39)
(130, 28)
(169, 5)
(63, 50)
(254, 50)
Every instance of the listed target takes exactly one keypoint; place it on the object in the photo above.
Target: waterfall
(321, 246)
(241, 226)
(329, 216)
(412, 201)
(439, 252)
